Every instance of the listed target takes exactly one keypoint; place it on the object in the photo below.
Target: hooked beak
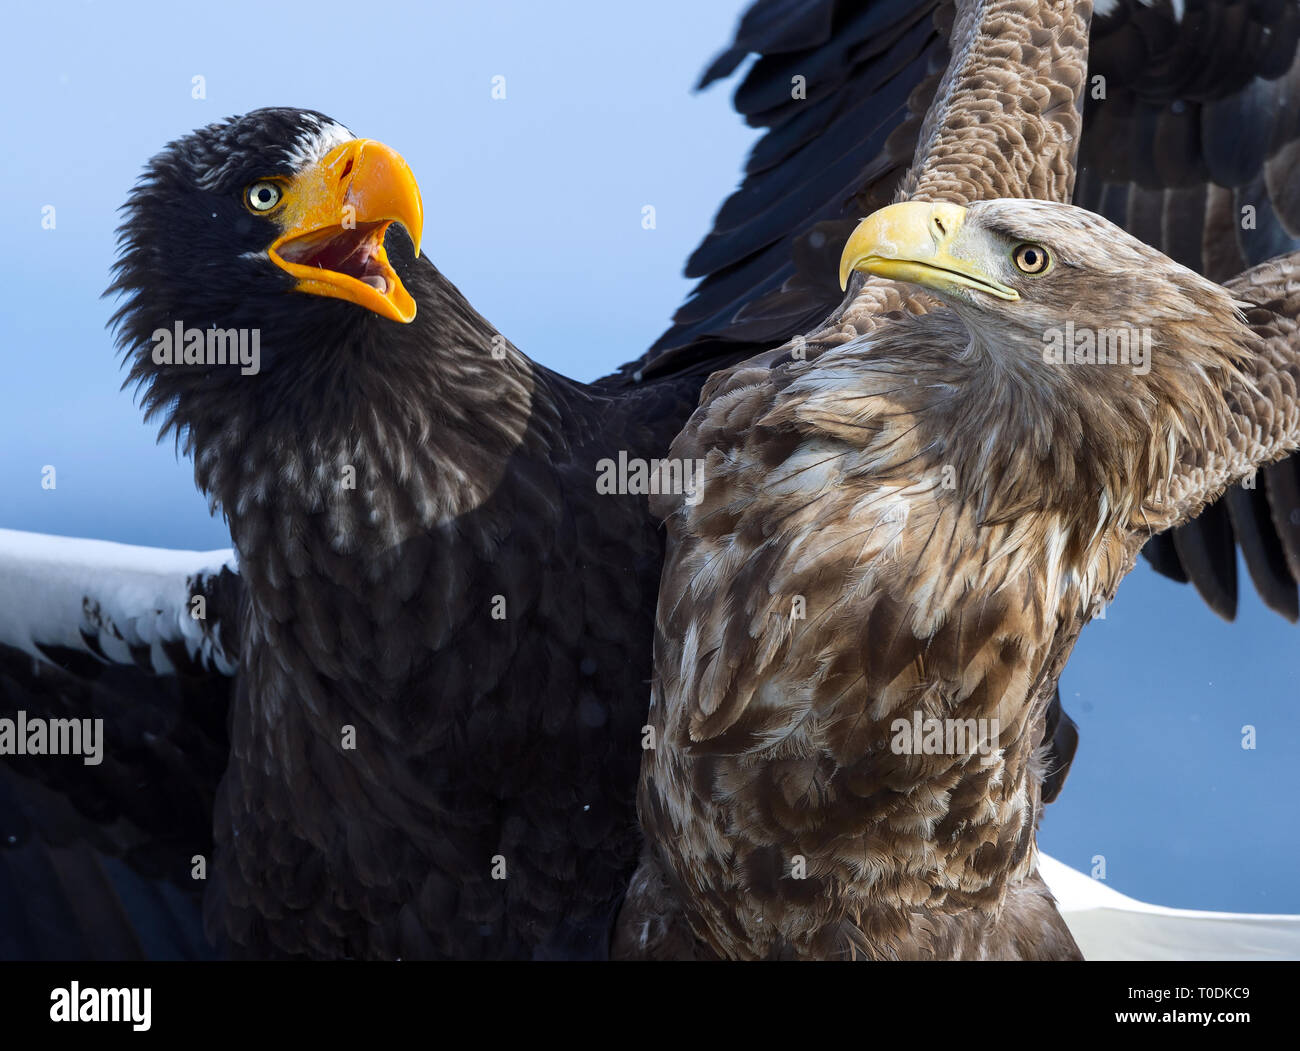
(333, 223)
(914, 242)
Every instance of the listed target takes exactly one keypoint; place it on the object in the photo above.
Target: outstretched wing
(123, 655)
(841, 90)
(61, 899)
(1191, 138)
(162, 612)
(861, 104)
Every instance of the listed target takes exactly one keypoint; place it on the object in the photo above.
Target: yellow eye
(262, 196)
(1031, 258)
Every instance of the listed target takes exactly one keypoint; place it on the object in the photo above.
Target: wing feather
(117, 603)
(91, 630)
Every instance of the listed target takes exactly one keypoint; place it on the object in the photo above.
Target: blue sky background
(598, 121)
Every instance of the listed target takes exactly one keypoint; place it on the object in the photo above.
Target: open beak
(914, 241)
(335, 215)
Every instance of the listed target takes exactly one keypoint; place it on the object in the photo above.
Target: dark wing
(861, 104)
(61, 899)
(1191, 140)
(1062, 737)
(100, 853)
(841, 89)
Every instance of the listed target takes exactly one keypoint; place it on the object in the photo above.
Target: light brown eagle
(863, 617)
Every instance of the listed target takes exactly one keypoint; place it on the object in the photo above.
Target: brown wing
(1190, 141)
(1263, 418)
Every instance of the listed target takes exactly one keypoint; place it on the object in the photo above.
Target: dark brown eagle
(408, 720)
(440, 628)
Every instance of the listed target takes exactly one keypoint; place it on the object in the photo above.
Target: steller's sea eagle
(439, 623)
(903, 539)
(369, 612)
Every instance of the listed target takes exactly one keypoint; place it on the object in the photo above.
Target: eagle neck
(1020, 438)
(381, 456)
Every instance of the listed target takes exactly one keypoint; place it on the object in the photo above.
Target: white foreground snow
(1112, 926)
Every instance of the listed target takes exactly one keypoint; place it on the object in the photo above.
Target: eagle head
(1106, 351)
(1052, 284)
(278, 227)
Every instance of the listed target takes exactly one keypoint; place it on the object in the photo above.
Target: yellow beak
(914, 241)
(333, 220)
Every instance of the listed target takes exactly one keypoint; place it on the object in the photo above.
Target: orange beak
(334, 218)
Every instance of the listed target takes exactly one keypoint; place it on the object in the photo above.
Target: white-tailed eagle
(879, 493)
(863, 620)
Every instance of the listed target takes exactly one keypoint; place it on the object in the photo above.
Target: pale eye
(1031, 258)
(263, 196)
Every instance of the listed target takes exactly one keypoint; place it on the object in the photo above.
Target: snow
(1111, 926)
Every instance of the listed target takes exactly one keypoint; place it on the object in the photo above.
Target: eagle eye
(262, 196)
(1031, 258)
